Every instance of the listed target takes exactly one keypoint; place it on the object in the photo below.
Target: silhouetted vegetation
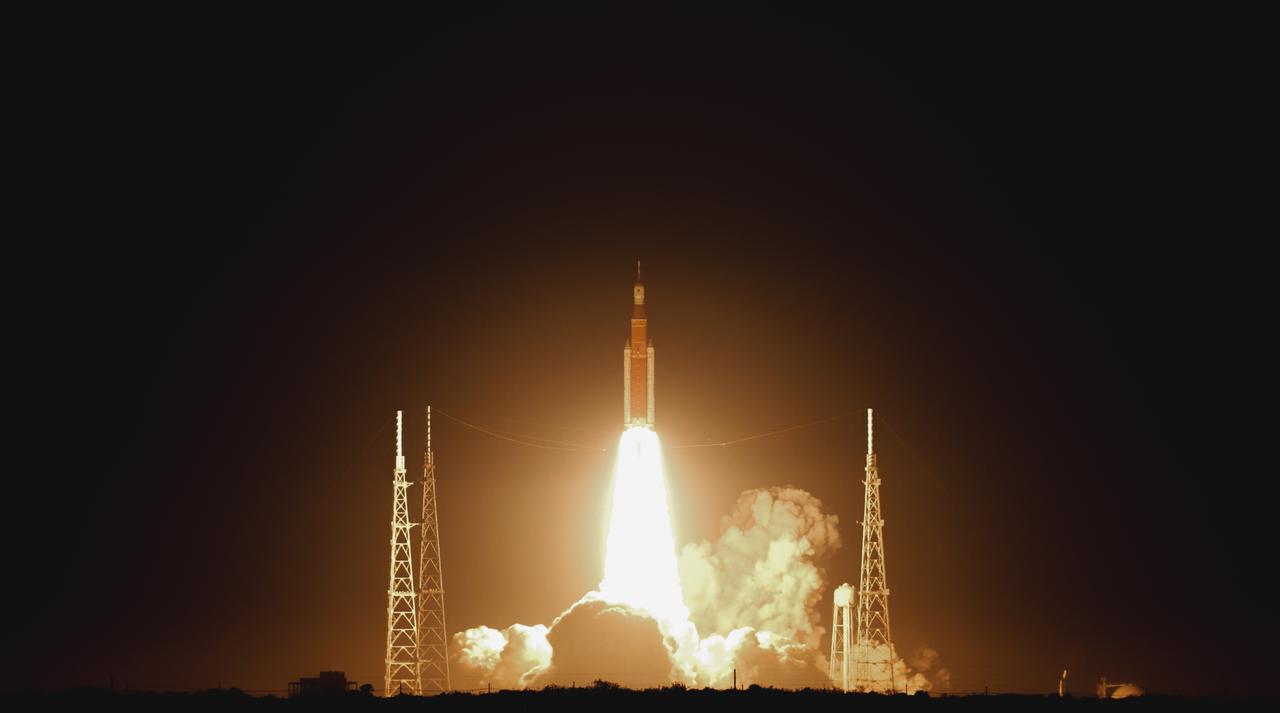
(609, 697)
(602, 685)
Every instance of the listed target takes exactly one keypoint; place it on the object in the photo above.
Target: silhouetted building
(326, 682)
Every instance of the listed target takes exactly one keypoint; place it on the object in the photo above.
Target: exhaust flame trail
(640, 561)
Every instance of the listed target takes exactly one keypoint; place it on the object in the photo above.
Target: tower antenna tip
(870, 434)
(399, 441)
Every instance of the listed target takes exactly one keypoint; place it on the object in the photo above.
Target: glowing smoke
(754, 591)
(506, 659)
(902, 677)
(925, 661)
(760, 572)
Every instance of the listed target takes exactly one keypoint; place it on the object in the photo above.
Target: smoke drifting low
(754, 600)
(925, 661)
(760, 573)
(506, 659)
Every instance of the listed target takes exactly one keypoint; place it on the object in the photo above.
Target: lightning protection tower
(402, 600)
(841, 617)
(433, 660)
(873, 649)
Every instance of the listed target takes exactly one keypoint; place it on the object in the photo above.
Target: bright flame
(640, 557)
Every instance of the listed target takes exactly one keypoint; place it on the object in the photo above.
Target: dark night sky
(1025, 249)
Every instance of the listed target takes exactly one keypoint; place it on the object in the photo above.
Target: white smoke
(925, 661)
(760, 572)
(886, 672)
(755, 591)
(505, 659)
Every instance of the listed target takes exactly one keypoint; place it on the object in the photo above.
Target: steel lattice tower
(433, 641)
(873, 651)
(402, 600)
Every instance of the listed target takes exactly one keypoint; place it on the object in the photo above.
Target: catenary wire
(524, 440)
(766, 434)
(527, 440)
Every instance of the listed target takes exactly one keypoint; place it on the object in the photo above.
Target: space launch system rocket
(637, 364)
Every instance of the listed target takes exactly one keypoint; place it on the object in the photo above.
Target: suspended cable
(527, 440)
(540, 424)
(920, 463)
(368, 444)
(766, 434)
(524, 440)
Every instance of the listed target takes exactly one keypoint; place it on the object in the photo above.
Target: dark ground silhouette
(609, 697)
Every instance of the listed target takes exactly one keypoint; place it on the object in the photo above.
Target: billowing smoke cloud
(757, 657)
(755, 592)
(615, 642)
(760, 572)
(889, 672)
(504, 659)
(593, 639)
(925, 661)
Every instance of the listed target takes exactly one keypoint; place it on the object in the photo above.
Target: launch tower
(873, 650)
(402, 601)
(433, 660)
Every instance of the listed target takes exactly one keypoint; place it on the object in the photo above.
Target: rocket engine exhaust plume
(640, 560)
